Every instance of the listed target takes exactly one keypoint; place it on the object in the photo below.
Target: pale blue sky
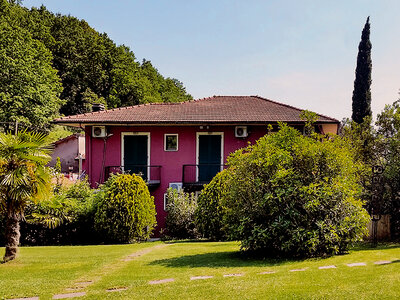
(300, 52)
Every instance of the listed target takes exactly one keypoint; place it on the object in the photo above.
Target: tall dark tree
(362, 83)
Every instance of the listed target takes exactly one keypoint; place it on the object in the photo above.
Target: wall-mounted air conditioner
(176, 185)
(241, 131)
(99, 131)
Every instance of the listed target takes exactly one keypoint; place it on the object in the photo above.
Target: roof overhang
(182, 123)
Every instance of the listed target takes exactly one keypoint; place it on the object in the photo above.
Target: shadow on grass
(367, 246)
(187, 241)
(218, 260)
(238, 259)
(396, 261)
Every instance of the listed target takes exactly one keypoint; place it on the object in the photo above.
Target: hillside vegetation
(90, 67)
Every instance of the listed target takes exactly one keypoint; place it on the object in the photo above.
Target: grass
(44, 271)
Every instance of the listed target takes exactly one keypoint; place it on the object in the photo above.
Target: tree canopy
(287, 195)
(29, 85)
(37, 45)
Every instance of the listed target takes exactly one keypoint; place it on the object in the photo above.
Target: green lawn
(44, 271)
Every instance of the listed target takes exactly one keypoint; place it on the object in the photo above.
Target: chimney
(97, 107)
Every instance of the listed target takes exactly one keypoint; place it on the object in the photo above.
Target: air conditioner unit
(176, 186)
(241, 131)
(99, 131)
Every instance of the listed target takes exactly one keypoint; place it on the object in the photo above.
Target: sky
(299, 52)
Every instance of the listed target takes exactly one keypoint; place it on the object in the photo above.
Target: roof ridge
(291, 106)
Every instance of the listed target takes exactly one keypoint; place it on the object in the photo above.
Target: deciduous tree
(29, 86)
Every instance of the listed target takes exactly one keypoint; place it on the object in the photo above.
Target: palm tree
(23, 177)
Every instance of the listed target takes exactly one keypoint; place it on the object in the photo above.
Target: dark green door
(209, 156)
(135, 154)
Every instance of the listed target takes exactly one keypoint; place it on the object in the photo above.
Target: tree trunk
(12, 235)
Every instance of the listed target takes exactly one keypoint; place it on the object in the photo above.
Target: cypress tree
(362, 83)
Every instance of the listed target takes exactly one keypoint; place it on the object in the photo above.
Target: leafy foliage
(362, 84)
(292, 195)
(67, 217)
(125, 209)
(67, 205)
(59, 132)
(29, 85)
(23, 178)
(181, 208)
(310, 118)
(93, 68)
(52, 64)
(388, 139)
(210, 210)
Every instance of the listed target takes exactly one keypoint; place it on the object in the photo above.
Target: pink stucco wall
(68, 149)
(171, 161)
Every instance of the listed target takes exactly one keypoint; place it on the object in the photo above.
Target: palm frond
(23, 174)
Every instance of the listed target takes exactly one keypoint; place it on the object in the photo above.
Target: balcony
(195, 176)
(152, 181)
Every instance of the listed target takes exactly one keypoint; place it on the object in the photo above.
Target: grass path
(219, 273)
(45, 271)
(95, 275)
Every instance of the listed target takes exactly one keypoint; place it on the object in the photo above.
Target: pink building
(71, 151)
(180, 145)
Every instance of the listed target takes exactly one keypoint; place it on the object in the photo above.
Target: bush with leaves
(210, 211)
(388, 138)
(66, 218)
(292, 195)
(181, 207)
(125, 209)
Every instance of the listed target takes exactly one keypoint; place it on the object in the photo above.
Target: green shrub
(388, 136)
(67, 217)
(67, 205)
(292, 195)
(210, 211)
(125, 209)
(180, 207)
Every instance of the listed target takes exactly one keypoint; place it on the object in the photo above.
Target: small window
(170, 142)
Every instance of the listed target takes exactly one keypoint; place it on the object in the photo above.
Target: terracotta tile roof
(216, 109)
(72, 136)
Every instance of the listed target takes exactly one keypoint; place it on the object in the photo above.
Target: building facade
(179, 145)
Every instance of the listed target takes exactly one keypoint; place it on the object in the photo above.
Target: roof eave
(82, 124)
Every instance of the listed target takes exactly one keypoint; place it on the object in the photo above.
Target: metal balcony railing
(200, 174)
(150, 174)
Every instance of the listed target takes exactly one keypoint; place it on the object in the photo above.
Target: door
(209, 159)
(136, 155)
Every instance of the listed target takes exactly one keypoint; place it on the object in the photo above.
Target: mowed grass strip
(45, 271)
(184, 260)
(181, 261)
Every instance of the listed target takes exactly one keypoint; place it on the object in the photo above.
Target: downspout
(102, 171)
(89, 158)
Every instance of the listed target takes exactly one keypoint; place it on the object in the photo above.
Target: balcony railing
(198, 175)
(150, 174)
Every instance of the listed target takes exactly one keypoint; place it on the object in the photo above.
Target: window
(170, 142)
